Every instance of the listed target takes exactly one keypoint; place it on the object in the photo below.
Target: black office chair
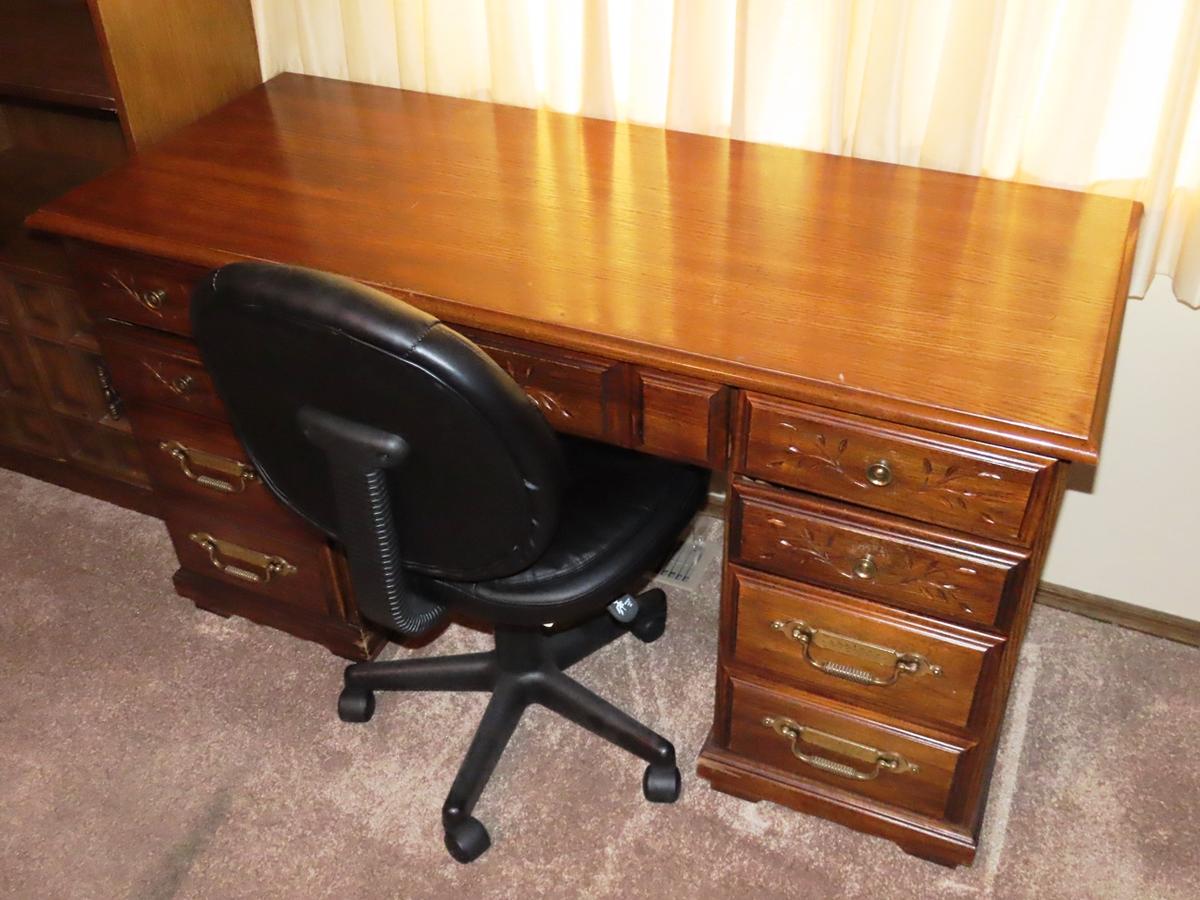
(399, 438)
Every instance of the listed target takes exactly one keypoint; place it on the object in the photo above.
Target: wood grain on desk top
(982, 308)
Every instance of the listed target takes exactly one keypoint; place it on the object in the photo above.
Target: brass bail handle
(236, 474)
(900, 662)
(879, 760)
(220, 554)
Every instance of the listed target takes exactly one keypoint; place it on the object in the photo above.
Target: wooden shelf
(49, 52)
(29, 179)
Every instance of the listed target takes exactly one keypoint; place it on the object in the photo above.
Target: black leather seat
(620, 511)
(399, 438)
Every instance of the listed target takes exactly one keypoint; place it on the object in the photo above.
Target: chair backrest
(477, 493)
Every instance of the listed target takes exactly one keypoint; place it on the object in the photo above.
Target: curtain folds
(1089, 94)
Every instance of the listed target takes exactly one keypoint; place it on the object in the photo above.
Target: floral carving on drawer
(882, 561)
(950, 487)
(525, 374)
(151, 297)
(886, 565)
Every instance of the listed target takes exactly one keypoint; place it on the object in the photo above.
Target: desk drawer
(800, 735)
(872, 556)
(155, 368)
(947, 481)
(139, 289)
(202, 461)
(859, 651)
(578, 394)
(681, 418)
(290, 569)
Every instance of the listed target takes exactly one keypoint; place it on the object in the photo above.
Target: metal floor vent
(701, 545)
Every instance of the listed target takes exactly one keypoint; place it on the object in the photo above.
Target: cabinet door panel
(17, 378)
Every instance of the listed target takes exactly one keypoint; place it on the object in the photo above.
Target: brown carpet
(151, 750)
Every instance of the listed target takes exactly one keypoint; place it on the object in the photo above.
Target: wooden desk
(894, 365)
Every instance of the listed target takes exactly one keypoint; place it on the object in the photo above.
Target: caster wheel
(650, 629)
(356, 706)
(467, 840)
(662, 784)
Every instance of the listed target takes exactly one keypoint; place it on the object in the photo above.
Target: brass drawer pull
(879, 760)
(879, 473)
(901, 663)
(219, 551)
(236, 474)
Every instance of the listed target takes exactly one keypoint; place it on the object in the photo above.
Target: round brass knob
(182, 384)
(879, 473)
(154, 299)
(865, 568)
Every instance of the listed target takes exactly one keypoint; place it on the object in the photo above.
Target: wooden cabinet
(81, 87)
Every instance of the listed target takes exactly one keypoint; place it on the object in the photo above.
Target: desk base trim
(919, 836)
(343, 639)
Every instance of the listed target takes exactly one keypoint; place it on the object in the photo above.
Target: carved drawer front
(138, 289)
(882, 559)
(946, 481)
(801, 736)
(577, 394)
(17, 378)
(200, 460)
(240, 551)
(859, 651)
(29, 429)
(681, 418)
(149, 368)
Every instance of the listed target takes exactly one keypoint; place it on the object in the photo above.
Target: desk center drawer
(578, 394)
(872, 556)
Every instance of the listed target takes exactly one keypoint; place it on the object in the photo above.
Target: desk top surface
(975, 307)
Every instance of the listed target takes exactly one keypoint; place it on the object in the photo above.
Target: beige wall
(1136, 535)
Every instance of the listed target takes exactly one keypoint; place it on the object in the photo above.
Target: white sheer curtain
(1091, 94)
